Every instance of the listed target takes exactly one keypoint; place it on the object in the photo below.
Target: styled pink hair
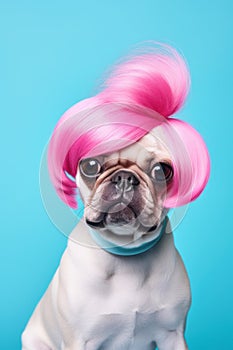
(140, 94)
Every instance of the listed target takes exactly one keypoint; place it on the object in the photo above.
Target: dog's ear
(190, 160)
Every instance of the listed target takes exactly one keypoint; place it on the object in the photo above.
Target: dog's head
(129, 160)
(124, 192)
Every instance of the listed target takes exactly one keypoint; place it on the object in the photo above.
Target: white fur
(100, 301)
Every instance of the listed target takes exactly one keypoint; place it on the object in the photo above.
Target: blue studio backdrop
(53, 54)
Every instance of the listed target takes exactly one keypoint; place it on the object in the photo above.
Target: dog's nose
(125, 180)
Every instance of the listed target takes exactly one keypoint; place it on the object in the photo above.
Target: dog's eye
(90, 167)
(162, 172)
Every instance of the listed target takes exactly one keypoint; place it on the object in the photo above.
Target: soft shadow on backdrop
(52, 55)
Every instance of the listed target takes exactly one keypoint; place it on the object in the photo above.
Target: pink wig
(141, 94)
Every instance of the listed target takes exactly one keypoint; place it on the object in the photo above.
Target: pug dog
(126, 287)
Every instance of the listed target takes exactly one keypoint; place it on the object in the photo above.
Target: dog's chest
(132, 331)
(115, 306)
(120, 314)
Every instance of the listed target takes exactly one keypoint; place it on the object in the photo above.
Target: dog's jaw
(129, 235)
(127, 245)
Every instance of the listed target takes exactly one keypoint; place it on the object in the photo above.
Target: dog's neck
(127, 250)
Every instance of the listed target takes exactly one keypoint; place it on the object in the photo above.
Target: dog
(126, 287)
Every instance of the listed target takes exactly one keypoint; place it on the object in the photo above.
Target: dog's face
(123, 192)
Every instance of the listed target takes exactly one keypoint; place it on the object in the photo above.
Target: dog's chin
(123, 232)
(121, 220)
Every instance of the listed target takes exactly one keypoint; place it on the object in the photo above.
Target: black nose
(125, 180)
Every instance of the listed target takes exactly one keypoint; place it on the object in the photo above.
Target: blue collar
(124, 250)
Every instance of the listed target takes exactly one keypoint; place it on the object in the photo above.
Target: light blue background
(52, 54)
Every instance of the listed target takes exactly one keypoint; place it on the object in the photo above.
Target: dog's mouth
(119, 215)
